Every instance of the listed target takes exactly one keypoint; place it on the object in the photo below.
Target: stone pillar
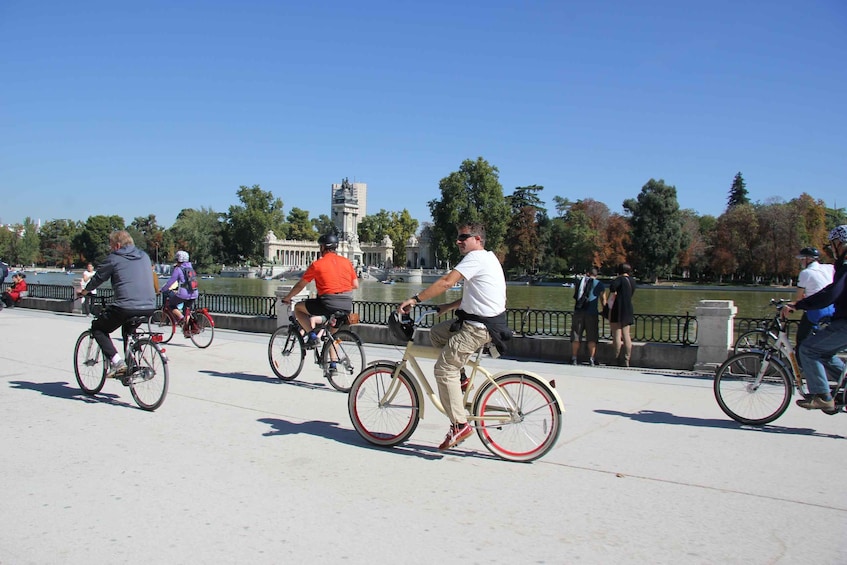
(283, 311)
(715, 319)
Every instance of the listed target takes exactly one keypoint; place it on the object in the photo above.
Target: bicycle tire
(286, 353)
(89, 364)
(160, 323)
(736, 396)
(754, 339)
(349, 355)
(386, 424)
(149, 376)
(202, 330)
(534, 427)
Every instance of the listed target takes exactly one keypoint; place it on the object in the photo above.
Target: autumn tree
(523, 237)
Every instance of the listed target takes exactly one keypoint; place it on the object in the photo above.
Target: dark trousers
(109, 320)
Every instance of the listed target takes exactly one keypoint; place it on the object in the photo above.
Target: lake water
(751, 303)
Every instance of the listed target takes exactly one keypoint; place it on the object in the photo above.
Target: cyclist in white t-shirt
(814, 276)
(481, 317)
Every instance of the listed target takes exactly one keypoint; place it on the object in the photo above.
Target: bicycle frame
(421, 383)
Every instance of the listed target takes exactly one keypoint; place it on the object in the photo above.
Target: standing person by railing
(621, 313)
(587, 293)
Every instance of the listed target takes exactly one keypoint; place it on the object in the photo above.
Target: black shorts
(329, 304)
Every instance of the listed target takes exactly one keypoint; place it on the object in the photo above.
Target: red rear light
(157, 338)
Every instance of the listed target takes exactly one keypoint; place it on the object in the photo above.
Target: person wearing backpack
(588, 292)
(181, 288)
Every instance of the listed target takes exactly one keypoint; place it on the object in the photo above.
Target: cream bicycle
(517, 414)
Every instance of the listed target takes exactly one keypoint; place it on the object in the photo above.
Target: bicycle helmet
(329, 241)
(809, 253)
(839, 233)
(182, 256)
(401, 327)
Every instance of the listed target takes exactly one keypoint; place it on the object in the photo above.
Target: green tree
(29, 244)
(299, 226)
(56, 241)
(471, 194)
(147, 234)
(374, 227)
(657, 234)
(737, 192)
(249, 224)
(92, 242)
(401, 227)
(200, 232)
(323, 224)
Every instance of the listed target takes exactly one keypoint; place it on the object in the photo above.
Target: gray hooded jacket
(131, 274)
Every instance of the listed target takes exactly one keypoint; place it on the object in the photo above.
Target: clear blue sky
(110, 107)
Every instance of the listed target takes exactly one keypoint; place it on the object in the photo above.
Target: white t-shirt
(484, 291)
(814, 277)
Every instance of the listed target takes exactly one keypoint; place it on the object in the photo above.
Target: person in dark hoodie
(128, 268)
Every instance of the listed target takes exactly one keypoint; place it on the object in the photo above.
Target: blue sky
(137, 108)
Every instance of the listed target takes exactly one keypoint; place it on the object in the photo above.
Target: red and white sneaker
(457, 434)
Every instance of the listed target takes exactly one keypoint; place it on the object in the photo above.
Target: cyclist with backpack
(181, 288)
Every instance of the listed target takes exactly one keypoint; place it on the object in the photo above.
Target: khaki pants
(456, 348)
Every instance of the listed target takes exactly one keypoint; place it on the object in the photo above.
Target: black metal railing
(526, 322)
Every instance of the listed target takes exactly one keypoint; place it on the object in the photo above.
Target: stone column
(283, 311)
(715, 319)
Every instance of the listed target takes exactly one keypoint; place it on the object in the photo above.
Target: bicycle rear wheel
(148, 380)
(202, 330)
(383, 409)
(346, 351)
(752, 388)
(89, 364)
(286, 352)
(754, 339)
(519, 419)
(160, 322)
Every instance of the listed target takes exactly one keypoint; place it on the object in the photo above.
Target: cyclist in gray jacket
(129, 269)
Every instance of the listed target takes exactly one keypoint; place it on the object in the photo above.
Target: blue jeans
(817, 356)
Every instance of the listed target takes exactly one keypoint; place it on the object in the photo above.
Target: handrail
(678, 329)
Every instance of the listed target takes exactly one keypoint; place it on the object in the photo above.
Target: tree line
(751, 242)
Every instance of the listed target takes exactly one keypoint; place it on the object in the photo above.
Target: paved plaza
(237, 467)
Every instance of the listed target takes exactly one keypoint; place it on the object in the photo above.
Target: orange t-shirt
(332, 274)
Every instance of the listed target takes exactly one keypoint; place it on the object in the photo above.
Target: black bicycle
(146, 364)
(338, 352)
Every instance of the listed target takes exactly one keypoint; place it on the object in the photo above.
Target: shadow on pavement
(331, 430)
(62, 390)
(654, 417)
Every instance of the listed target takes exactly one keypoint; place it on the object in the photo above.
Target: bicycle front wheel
(89, 364)
(342, 358)
(148, 379)
(202, 330)
(161, 323)
(383, 408)
(286, 352)
(752, 388)
(519, 419)
(754, 339)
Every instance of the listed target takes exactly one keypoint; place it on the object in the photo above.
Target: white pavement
(237, 467)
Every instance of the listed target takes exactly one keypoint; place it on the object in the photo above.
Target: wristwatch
(417, 299)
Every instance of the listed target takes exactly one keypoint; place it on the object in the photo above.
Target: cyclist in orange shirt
(335, 279)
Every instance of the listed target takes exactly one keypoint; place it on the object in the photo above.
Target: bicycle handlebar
(426, 313)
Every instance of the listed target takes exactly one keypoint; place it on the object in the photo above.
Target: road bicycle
(755, 387)
(338, 352)
(517, 414)
(200, 326)
(146, 364)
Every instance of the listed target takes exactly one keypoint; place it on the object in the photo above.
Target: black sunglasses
(464, 236)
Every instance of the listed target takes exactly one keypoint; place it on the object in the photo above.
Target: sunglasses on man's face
(464, 236)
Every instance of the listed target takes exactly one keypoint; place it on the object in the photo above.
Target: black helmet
(401, 327)
(809, 253)
(329, 241)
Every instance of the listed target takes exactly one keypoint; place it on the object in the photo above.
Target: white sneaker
(117, 369)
